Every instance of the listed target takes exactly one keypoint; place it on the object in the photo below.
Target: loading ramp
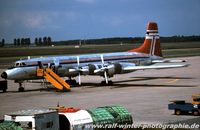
(53, 78)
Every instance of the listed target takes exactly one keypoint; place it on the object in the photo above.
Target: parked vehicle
(181, 107)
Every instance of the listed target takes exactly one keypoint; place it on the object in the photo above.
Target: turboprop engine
(111, 69)
(120, 67)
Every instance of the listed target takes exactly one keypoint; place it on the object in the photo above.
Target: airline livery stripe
(154, 45)
(152, 30)
(153, 34)
(151, 46)
(85, 61)
(151, 37)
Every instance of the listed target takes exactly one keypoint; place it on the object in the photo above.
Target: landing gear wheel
(71, 82)
(110, 82)
(195, 113)
(21, 89)
(4, 90)
(103, 83)
(177, 112)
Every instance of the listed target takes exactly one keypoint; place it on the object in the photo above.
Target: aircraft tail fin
(151, 43)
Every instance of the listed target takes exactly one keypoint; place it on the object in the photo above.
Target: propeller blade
(106, 77)
(79, 78)
(84, 69)
(102, 60)
(97, 71)
(72, 70)
(78, 61)
(79, 69)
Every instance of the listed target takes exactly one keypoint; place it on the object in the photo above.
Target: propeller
(79, 70)
(105, 71)
(79, 73)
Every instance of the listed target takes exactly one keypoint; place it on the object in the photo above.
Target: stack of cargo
(121, 114)
(110, 115)
(62, 118)
(101, 116)
(9, 125)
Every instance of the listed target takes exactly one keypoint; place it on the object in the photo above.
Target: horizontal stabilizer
(168, 61)
(154, 67)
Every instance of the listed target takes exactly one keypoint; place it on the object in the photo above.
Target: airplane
(106, 64)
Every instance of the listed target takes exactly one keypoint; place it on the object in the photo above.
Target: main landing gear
(20, 89)
(103, 83)
(71, 82)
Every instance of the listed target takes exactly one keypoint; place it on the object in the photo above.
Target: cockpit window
(19, 64)
(23, 64)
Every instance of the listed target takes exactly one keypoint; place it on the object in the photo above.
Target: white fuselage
(26, 69)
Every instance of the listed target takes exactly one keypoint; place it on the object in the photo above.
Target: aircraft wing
(153, 67)
(168, 61)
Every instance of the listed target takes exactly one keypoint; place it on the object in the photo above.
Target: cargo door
(47, 121)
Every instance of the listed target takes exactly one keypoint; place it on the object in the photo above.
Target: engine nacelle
(119, 67)
(108, 68)
(111, 69)
(93, 67)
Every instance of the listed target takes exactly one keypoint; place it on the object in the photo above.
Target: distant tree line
(2, 43)
(180, 39)
(45, 41)
(127, 40)
(22, 42)
(116, 40)
(171, 39)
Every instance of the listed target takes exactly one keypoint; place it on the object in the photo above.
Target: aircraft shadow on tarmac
(28, 90)
(126, 83)
(120, 84)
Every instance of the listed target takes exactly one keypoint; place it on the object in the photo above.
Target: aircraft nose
(4, 75)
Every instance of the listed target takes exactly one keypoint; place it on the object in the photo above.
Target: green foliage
(45, 41)
(22, 42)
(2, 43)
(127, 40)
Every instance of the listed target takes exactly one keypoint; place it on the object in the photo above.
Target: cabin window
(23, 64)
(99, 66)
(17, 64)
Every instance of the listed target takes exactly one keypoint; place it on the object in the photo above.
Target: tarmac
(146, 94)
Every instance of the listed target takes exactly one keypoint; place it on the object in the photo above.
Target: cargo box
(35, 119)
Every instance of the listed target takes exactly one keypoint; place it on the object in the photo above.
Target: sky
(90, 19)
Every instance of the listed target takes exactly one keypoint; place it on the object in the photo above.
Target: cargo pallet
(62, 118)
